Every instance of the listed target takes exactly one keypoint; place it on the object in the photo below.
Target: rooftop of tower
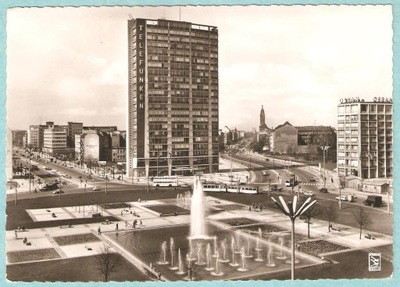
(177, 23)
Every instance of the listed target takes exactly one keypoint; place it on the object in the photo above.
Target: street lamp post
(105, 190)
(324, 149)
(292, 212)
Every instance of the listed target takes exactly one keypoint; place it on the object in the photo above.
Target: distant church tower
(264, 130)
(263, 126)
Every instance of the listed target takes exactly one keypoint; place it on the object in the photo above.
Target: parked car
(323, 190)
(58, 191)
(373, 201)
(276, 188)
(265, 173)
(308, 193)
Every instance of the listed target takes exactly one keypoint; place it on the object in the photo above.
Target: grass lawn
(82, 269)
(32, 255)
(76, 239)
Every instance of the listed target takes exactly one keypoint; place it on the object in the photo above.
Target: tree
(107, 261)
(331, 213)
(90, 161)
(362, 218)
(310, 213)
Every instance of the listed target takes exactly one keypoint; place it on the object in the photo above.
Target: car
(265, 173)
(323, 190)
(312, 179)
(276, 188)
(342, 198)
(184, 185)
(47, 168)
(58, 191)
(308, 193)
(373, 201)
(96, 188)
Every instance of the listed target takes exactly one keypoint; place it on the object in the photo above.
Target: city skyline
(308, 51)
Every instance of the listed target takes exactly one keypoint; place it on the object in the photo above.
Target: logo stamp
(374, 262)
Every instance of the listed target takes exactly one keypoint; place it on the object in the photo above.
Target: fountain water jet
(197, 211)
(180, 263)
(172, 250)
(258, 250)
(217, 272)
(200, 254)
(248, 255)
(281, 255)
(223, 247)
(233, 263)
(163, 260)
(243, 256)
(208, 258)
(270, 258)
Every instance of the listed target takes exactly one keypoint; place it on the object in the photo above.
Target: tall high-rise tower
(173, 97)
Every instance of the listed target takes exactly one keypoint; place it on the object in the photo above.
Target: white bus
(160, 181)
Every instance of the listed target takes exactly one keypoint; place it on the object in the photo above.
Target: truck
(373, 200)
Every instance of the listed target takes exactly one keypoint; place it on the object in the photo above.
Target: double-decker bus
(160, 181)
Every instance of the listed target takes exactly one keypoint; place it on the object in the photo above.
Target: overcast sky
(70, 64)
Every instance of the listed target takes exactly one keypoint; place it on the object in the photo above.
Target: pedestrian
(16, 234)
(122, 212)
(126, 223)
(99, 231)
(141, 223)
(116, 226)
(250, 208)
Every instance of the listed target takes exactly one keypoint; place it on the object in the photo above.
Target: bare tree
(310, 213)
(362, 218)
(107, 261)
(331, 213)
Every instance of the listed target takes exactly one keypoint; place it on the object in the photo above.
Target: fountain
(233, 263)
(197, 214)
(223, 247)
(180, 263)
(206, 254)
(258, 250)
(243, 256)
(163, 260)
(172, 250)
(208, 258)
(281, 255)
(217, 272)
(200, 254)
(270, 258)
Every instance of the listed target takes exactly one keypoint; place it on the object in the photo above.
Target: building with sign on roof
(173, 97)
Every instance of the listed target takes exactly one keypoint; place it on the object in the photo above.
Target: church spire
(262, 119)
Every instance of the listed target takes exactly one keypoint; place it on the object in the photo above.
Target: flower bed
(239, 221)
(115, 205)
(320, 246)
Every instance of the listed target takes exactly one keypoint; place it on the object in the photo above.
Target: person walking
(99, 231)
(116, 226)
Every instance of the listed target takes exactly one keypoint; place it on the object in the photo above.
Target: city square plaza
(68, 240)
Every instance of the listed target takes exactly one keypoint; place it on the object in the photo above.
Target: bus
(291, 181)
(162, 181)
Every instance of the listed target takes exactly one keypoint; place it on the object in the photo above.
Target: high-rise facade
(365, 138)
(173, 97)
